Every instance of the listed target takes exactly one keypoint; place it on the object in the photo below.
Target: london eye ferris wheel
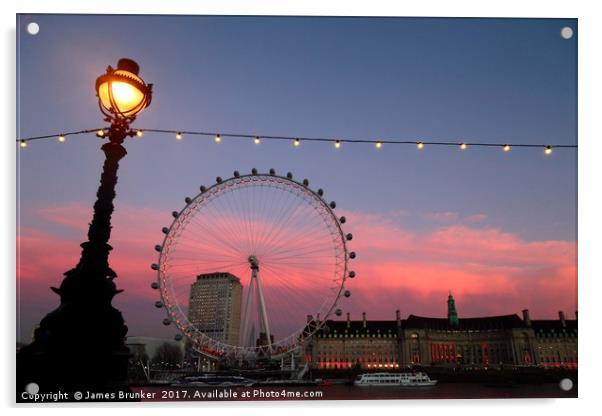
(253, 264)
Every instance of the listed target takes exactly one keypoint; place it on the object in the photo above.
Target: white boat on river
(417, 379)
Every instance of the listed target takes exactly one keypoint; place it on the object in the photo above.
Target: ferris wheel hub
(254, 262)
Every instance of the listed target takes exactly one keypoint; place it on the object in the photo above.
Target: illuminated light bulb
(420, 145)
(256, 140)
(378, 144)
(506, 148)
(337, 144)
(100, 133)
(296, 142)
(178, 136)
(463, 146)
(548, 150)
(61, 138)
(139, 133)
(218, 138)
(23, 143)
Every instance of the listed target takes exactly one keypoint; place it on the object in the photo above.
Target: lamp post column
(95, 253)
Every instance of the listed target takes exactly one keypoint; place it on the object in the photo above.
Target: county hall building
(477, 342)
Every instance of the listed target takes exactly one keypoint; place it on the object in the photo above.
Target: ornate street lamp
(81, 344)
(121, 93)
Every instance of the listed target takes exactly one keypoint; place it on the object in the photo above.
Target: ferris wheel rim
(202, 341)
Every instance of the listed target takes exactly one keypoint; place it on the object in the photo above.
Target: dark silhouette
(81, 344)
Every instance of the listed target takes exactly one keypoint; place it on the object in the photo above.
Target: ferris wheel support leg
(264, 314)
(245, 318)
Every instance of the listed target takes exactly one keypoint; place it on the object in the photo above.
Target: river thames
(348, 392)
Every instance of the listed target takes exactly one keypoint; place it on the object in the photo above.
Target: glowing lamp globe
(122, 94)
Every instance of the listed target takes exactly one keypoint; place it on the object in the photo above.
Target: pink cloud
(490, 271)
(475, 263)
(476, 218)
(441, 216)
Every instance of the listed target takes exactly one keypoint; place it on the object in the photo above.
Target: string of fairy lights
(337, 143)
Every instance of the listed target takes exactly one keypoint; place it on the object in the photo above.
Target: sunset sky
(497, 229)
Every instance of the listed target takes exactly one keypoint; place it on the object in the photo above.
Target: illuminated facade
(452, 341)
(215, 305)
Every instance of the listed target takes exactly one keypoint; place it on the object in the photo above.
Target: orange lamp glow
(122, 94)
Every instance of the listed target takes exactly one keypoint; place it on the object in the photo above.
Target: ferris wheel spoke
(288, 312)
(284, 217)
(208, 248)
(260, 217)
(225, 224)
(203, 251)
(178, 256)
(286, 224)
(214, 243)
(318, 281)
(242, 214)
(268, 213)
(276, 226)
(288, 244)
(282, 273)
(293, 233)
(294, 251)
(216, 237)
(219, 219)
(279, 299)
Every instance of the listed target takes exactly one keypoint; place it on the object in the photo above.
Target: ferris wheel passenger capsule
(167, 322)
(342, 220)
(178, 337)
(165, 230)
(175, 214)
(203, 188)
(155, 285)
(218, 179)
(349, 237)
(158, 248)
(188, 200)
(338, 312)
(289, 175)
(352, 274)
(352, 255)
(333, 204)
(321, 192)
(155, 266)
(158, 304)
(305, 182)
(253, 171)
(236, 174)
(347, 293)
(272, 171)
